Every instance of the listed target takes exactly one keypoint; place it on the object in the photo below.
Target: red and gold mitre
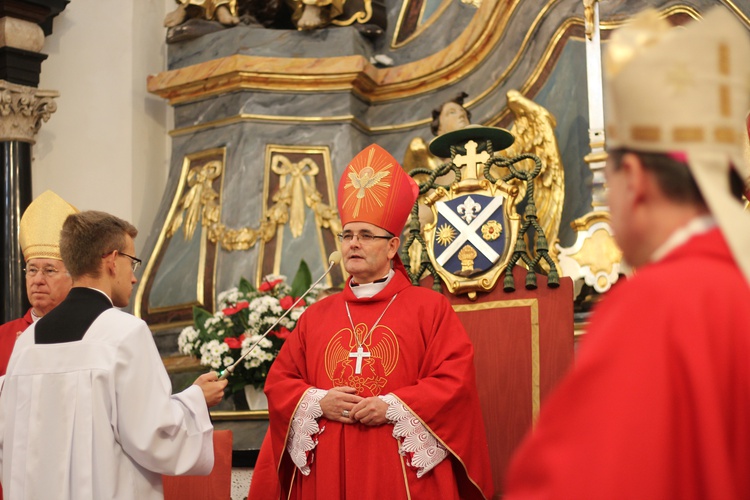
(375, 189)
(686, 91)
(40, 227)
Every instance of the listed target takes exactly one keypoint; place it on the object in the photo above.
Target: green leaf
(246, 287)
(302, 280)
(200, 316)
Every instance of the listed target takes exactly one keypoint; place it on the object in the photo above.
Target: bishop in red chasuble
(374, 393)
(658, 403)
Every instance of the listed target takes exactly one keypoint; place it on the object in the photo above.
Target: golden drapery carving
(296, 190)
(200, 202)
(292, 177)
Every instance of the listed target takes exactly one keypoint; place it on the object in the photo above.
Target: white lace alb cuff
(303, 436)
(422, 451)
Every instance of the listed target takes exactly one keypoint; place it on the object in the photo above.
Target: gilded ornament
(297, 188)
(472, 160)
(534, 131)
(594, 256)
(200, 202)
(467, 255)
(295, 178)
(491, 230)
(445, 234)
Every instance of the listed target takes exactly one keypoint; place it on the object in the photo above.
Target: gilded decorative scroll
(195, 207)
(294, 182)
(298, 192)
(295, 191)
(594, 257)
(199, 204)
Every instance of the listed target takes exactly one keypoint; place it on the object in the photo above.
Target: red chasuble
(8, 334)
(420, 353)
(658, 404)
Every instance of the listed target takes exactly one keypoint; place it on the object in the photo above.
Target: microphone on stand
(333, 260)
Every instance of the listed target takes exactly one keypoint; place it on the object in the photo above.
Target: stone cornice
(262, 73)
(22, 110)
(353, 73)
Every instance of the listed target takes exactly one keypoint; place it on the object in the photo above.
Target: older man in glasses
(374, 393)
(47, 279)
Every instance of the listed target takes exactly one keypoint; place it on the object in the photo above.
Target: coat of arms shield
(473, 233)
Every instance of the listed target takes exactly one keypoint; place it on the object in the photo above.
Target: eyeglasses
(361, 237)
(135, 262)
(48, 272)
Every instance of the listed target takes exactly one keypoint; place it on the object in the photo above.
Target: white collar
(367, 290)
(696, 226)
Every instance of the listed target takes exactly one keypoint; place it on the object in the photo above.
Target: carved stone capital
(22, 110)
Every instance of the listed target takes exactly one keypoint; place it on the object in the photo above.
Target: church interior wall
(114, 146)
(245, 88)
(106, 147)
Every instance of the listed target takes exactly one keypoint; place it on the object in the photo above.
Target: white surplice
(95, 418)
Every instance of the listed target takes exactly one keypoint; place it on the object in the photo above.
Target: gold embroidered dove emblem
(368, 183)
(366, 179)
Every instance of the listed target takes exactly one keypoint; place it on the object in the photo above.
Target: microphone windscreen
(334, 258)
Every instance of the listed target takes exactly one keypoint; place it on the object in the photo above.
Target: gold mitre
(41, 224)
(686, 91)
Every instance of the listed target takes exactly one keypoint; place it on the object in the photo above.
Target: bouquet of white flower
(243, 314)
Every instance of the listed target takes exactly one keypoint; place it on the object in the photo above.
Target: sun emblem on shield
(445, 234)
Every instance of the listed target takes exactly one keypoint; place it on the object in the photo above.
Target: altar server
(86, 410)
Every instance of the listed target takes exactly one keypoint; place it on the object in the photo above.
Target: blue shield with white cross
(469, 236)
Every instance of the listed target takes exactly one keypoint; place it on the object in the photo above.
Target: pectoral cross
(359, 355)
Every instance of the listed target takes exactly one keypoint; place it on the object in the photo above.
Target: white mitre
(686, 90)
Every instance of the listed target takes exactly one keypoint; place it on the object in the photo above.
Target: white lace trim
(303, 436)
(422, 451)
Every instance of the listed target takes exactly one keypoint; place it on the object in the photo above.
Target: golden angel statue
(534, 131)
(223, 11)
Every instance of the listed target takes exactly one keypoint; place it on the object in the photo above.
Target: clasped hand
(342, 404)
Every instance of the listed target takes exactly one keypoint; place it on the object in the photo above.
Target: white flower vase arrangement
(243, 314)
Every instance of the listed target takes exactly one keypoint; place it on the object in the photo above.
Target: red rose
(282, 334)
(288, 301)
(268, 285)
(234, 342)
(236, 308)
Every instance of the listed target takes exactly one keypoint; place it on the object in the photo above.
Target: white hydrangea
(263, 310)
(251, 340)
(212, 353)
(253, 317)
(228, 298)
(211, 322)
(185, 340)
